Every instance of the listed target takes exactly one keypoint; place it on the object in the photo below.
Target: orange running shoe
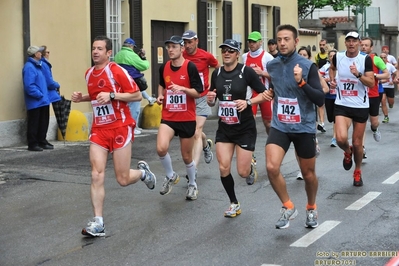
(347, 162)
(357, 178)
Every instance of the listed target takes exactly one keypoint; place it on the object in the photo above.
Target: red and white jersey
(202, 60)
(111, 78)
(261, 60)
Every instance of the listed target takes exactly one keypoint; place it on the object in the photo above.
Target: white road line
(392, 180)
(315, 234)
(2, 182)
(270, 265)
(363, 201)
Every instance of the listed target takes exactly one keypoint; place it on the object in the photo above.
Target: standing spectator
(135, 64)
(389, 88)
(321, 58)
(110, 87)
(53, 86)
(272, 47)
(296, 84)
(231, 84)
(390, 58)
(202, 60)
(36, 100)
(179, 85)
(351, 72)
(257, 58)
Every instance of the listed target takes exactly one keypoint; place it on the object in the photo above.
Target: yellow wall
(64, 26)
(305, 40)
(67, 36)
(11, 101)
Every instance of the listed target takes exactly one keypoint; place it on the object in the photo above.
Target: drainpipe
(26, 26)
(246, 25)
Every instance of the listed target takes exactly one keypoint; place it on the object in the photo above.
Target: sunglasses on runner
(229, 50)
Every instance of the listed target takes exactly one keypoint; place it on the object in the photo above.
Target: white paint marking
(315, 234)
(392, 180)
(270, 265)
(363, 201)
(2, 182)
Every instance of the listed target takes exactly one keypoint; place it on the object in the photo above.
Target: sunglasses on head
(229, 50)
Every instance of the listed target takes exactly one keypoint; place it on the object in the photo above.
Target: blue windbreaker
(35, 85)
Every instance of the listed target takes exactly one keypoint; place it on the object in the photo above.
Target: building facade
(67, 28)
(379, 22)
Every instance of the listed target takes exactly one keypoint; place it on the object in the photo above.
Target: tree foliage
(306, 7)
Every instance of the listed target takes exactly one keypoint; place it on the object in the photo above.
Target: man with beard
(321, 59)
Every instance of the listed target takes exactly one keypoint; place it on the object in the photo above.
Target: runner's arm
(313, 88)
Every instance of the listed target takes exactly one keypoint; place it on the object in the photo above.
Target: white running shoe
(377, 135)
(192, 192)
(299, 175)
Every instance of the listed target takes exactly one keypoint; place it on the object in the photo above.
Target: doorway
(160, 32)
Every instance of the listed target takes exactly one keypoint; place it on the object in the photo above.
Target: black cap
(175, 39)
(231, 43)
(271, 41)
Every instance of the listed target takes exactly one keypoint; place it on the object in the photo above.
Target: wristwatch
(359, 75)
(112, 96)
(249, 103)
(301, 83)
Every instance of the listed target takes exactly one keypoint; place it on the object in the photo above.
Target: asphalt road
(45, 202)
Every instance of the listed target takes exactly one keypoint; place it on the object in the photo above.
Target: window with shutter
(255, 17)
(227, 20)
(276, 19)
(97, 18)
(202, 24)
(136, 21)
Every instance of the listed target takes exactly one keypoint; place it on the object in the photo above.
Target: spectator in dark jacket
(36, 100)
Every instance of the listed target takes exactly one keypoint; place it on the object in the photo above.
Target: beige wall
(305, 40)
(11, 101)
(67, 36)
(64, 26)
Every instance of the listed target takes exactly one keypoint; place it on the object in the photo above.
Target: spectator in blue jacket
(36, 100)
(135, 63)
(52, 85)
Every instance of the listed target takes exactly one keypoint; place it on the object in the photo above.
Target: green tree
(306, 7)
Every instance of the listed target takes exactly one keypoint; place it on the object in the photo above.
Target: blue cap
(189, 34)
(231, 43)
(130, 41)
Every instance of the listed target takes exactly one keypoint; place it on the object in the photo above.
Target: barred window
(263, 25)
(211, 27)
(114, 24)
